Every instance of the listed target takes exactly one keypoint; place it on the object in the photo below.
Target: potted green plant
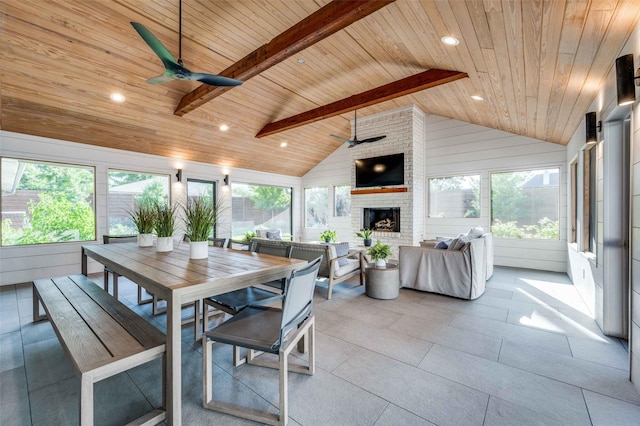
(329, 236)
(380, 253)
(365, 234)
(142, 216)
(164, 225)
(201, 217)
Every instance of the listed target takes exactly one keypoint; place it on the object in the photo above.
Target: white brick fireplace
(405, 129)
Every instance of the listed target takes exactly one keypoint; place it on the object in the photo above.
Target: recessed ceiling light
(301, 61)
(224, 127)
(477, 98)
(450, 41)
(283, 144)
(117, 97)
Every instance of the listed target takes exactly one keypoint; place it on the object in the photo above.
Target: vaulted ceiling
(537, 64)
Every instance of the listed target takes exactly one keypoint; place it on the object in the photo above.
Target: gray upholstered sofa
(338, 264)
(459, 272)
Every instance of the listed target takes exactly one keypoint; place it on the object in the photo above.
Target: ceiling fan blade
(373, 139)
(349, 141)
(161, 78)
(212, 79)
(165, 56)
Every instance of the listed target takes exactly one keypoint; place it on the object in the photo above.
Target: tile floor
(525, 353)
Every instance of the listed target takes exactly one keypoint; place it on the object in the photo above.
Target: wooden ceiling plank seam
(326, 21)
(512, 13)
(500, 97)
(469, 33)
(405, 86)
(552, 17)
(480, 24)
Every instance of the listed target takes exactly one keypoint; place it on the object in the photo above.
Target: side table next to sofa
(382, 283)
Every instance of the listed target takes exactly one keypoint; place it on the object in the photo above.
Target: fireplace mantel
(377, 190)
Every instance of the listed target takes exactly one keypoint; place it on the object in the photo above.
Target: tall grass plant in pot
(142, 216)
(201, 217)
(164, 225)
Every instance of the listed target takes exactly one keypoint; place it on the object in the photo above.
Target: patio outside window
(47, 202)
(260, 207)
(456, 196)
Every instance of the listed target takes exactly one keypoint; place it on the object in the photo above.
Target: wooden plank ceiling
(537, 64)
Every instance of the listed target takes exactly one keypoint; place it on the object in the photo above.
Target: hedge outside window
(126, 188)
(342, 200)
(456, 196)
(47, 202)
(525, 204)
(316, 207)
(260, 207)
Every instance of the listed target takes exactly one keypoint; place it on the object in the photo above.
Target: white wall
(26, 263)
(455, 148)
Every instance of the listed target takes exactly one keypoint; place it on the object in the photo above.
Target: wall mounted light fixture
(226, 180)
(592, 127)
(626, 80)
(179, 175)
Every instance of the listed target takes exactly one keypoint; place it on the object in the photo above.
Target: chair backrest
(220, 242)
(112, 239)
(298, 296)
(264, 247)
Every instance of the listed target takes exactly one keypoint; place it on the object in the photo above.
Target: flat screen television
(387, 170)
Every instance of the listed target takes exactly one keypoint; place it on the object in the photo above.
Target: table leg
(84, 263)
(174, 360)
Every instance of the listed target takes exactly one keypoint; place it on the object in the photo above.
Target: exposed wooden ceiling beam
(405, 86)
(328, 20)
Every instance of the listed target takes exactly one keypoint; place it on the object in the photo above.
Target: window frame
(91, 167)
(428, 195)
(590, 200)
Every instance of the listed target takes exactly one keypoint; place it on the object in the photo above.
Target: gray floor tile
(452, 337)
(331, 351)
(517, 333)
(472, 308)
(605, 411)
(504, 413)
(362, 310)
(24, 290)
(587, 375)
(499, 293)
(9, 321)
(426, 395)
(610, 353)
(11, 354)
(542, 318)
(8, 299)
(396, 416)
(399, 346)
(428, 314)
(46, 364)
(537, 393)
(14, 398)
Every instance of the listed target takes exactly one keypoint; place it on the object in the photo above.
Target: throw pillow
(274, 234)
(342, 249)
(453, 244)
(444, 244)
(476, 232)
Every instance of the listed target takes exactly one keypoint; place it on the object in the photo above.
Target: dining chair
(235, 301)
(271, 330)
(219, 242)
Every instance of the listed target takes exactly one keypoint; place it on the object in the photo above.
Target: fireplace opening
(381, 219)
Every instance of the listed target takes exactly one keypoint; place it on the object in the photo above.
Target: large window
(525, 204)
(457, 196)
(342, 200)
(316, 207)
(574, 201)
(260, 207)
(46, 202)
(127, 188)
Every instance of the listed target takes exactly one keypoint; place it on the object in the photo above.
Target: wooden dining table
(174, 277)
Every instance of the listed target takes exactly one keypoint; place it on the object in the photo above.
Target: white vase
(164, 244)
(198, 249)
(381, 263)
(145, 240)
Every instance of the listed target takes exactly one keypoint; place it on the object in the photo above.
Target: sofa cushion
(350, 266)
(443, 244)
(476, 232)
(274, 234)
(459, 242)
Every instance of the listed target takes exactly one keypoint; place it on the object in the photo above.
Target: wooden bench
(100, 335)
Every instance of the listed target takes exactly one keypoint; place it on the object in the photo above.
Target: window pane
(46, 203)
(342, 200)
(260, 207)
(457, 196)
(202, 189)
(525, 204)
(316, 203)
(592, 199)
(128, 188)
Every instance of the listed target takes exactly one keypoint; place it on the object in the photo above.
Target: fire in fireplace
(381, 219)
